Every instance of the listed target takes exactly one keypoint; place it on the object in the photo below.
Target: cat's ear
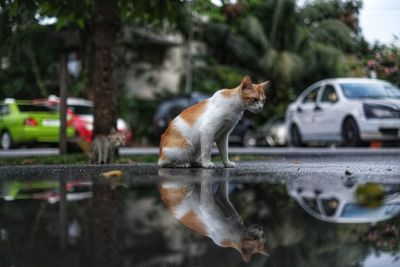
(262, 252)
(113, 131)
(247, 84)
(265, 85)
(246, 255)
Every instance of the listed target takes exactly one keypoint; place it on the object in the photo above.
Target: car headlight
(161, 123)
(380, 111)
(281, 132)
(89, 126)
(121, 125)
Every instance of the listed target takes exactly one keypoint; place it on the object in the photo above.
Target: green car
(24, 123)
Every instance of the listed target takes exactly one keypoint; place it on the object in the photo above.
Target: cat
(210, 213)
(188, 140)
(103, 147)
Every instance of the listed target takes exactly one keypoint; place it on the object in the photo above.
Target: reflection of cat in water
(211, 213)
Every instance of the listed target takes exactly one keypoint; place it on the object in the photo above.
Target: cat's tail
(175, 157)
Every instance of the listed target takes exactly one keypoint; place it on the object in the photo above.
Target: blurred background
(155, 58)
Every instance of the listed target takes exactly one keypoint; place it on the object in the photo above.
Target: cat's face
(253, 94)
(252, 242)
(117, 139)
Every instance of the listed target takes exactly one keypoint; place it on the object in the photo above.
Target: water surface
(74, 217)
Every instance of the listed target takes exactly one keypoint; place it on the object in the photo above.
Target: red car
(81, 113)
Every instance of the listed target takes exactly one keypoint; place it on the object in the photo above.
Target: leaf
(370, 195)
(114, 173)
(252, 28)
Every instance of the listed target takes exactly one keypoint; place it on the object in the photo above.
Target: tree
(106, 23)
(103, 19)
(27, 54)
(279, 41)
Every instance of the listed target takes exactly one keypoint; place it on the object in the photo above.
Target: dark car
(243, 134)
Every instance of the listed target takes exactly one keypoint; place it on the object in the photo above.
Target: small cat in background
(188, 140)
(102, 148)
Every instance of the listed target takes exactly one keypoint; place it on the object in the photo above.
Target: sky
(379, 20)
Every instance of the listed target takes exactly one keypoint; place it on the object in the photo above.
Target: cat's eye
(254, 99)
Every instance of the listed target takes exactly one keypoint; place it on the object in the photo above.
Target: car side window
(329, 95)
(311, 97)
(4, 110)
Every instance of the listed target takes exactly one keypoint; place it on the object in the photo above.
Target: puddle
(196, 217)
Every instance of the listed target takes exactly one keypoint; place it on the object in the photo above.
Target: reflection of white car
(332, 200)
(345, 110)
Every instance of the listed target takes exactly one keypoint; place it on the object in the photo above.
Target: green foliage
(73, 13)
(319, 10)
(282, 66)
(147, 12)
(28, 55)
(333, 32)
(325, 61)
(290, 46)
(252, 28)
(211, 78)
(213, 12)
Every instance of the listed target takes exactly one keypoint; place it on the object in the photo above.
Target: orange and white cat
(210, 213)
(190, 136)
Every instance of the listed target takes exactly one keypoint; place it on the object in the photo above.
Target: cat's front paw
(229, 164)
(208, 165)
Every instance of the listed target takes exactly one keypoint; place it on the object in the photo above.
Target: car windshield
(33, 108)
(369, 90)
(81, 110)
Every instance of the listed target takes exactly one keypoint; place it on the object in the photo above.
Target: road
(380, 164)
(366, 166)
(265, 151)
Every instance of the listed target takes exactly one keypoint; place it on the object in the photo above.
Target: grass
(72, 159)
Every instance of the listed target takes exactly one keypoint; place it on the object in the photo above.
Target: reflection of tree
(104, 224)
(30, 231)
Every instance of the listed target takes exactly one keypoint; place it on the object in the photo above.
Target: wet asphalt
(376, 166)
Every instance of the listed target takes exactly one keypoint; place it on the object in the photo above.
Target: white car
(345, 110)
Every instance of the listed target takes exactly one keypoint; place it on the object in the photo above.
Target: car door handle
(317, 108)
(299, 110)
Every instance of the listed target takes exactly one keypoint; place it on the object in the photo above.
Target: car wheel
(249, 139)
(295, 137)
(6, 141)
(350, 133)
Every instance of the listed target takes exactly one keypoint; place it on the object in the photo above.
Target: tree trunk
(106, 25)
(88, 59)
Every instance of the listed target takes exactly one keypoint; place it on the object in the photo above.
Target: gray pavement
(265, 151)
(279, 163)
(361, 166)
